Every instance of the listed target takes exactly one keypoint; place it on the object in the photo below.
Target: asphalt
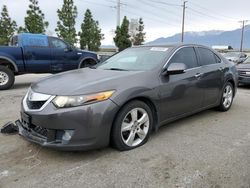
(209, 149)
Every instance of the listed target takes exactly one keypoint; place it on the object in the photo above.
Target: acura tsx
(125, 98)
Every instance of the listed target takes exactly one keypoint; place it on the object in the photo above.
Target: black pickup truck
(36, 53)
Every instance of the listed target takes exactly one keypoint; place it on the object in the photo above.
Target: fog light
(67, 135)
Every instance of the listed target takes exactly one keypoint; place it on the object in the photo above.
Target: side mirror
(68, 49)
(175, 68)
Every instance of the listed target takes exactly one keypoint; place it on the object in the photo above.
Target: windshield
(136, 59)
(247, 61)
(232, 54)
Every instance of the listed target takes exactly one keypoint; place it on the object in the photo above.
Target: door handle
(221, 69)
(198, 75)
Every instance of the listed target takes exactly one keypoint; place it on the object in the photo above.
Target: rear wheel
(7, 78)
(227, 97)
(132, 126)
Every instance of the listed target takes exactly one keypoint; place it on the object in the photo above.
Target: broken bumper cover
(81, 128)
(34, 137)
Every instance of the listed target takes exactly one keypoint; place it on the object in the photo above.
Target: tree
(140, 36)
(35, 19)
(90, 35)
(122, 38)
(7, 27)
(66, 24)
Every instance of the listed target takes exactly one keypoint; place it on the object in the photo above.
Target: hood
(232, 58)
(243, 66)
(84, 81)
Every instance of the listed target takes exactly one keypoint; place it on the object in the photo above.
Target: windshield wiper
(117, 69)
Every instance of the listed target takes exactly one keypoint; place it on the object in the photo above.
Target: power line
(207, 15)
(160, 8)
(164, 3)
(150, 13)
(98, 4)
(219, 14)
(150, 18)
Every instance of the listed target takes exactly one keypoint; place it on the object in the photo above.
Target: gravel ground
(209, 149)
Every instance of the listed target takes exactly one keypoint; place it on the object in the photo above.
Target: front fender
(123, 97)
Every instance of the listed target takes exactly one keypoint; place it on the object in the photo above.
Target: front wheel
(7, 78)
(227, 97)
(132, 126)
(88, 63)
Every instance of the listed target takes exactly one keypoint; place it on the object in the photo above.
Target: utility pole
(183, 20)
(242, 34)
(118, 12)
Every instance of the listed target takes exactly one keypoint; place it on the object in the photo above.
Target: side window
(56, 43)
(187, 56)
(218, 60)
(35, 41)
(207, 57)
(14, 41)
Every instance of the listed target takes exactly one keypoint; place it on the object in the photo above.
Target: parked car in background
(236, 57)
(126, 97)
(36, 53)
(244, 72)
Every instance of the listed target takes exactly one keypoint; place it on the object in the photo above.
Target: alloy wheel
(227, 96)
(135, 127)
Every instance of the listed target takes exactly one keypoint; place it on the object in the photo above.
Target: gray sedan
(122, 100)
(244, 72)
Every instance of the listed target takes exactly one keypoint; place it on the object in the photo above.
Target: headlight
(73, 101)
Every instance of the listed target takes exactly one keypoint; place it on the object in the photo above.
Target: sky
(162, 18)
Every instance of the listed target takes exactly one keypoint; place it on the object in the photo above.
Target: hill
(210, 38)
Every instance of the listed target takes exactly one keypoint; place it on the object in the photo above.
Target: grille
(40, 130)
(243, 73)
(35, 105)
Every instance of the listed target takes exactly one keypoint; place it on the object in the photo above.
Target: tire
(128, 133)
(7, 78)
(226, 95)
(88, 63)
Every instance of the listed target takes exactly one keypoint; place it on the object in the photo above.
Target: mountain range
(210, 38)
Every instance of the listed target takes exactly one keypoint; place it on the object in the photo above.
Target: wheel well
(6, 63)
(88, 60)
(150, 104)
(231, 81)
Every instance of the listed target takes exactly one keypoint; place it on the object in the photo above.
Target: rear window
(35, 40)
(207, 57)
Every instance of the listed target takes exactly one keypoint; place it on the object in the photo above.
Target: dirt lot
(210, 149)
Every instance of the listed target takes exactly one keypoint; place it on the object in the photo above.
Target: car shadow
(244, 86)
(184, 121)
(21, 85)
(80, 155)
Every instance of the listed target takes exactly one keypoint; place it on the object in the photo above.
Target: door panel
(64, 57)
(180, 94)
(213, 75)
(212, 81)
(63, 60)
(37, 59)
